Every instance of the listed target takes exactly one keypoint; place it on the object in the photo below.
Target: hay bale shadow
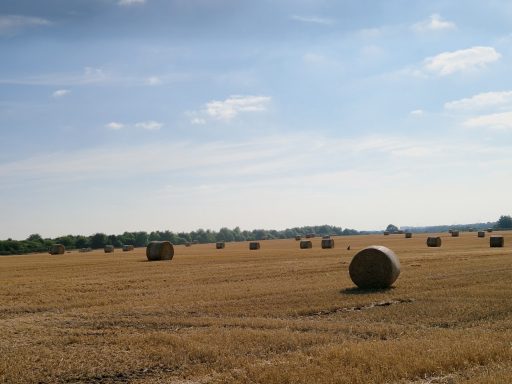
(366, 291)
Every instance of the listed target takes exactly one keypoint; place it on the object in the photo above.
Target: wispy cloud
(150, 125)
(481, 101)
(89, 75)
(417, 112)
(226, 110)
(114, 125)
(153, 80)
(463, 60)
(131, 2)
(434, 23)
(495, 121)
(312, 19)
(61, 93)
(10, 24)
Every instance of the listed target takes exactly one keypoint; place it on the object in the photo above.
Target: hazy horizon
(128, 115)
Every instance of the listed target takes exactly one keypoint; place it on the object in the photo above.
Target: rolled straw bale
(57, 249)
(305, 244)
(455, 233)
(188, 244)
(254, 245)
(481, 234)
(489, 230)
(327, 243)
(374, 267)
(496, 241)
(127, 247)
(433, 241)
(109, 248)
(159, 250)
(326, 237)
(220, 245)
(386, 233)
(408, 235)
(298, 238)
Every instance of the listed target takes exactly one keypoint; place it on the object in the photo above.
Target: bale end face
(305, 244)
(496, 241)
(159, 250)
(374, 267)
(327, 243)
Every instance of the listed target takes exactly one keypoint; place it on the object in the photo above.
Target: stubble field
(277, 315)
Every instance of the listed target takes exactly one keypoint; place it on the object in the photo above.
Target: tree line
(35, 243)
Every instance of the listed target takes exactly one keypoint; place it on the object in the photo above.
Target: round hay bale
(327, 243)
(220, 245)
(374, 267)
(386, 233)
(455, 233)
(305, 244)
(159, 250)
(489, 230)
(188, 244)
(109, 248)
(127, 247)
(433, 241)
(496, 241)
(481, 234)
(326, 237)
(57, 249)
(298, 238)
(254, 245)
(408, 235)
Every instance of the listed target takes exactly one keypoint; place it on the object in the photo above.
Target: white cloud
(497, 121)
(463, 60)
(312, 19)
(150, 125)
(153, 80)
(13, 23)
(114, 125)
(61, 93)
(417, 112)
(434, 23)
(228, 109)
(481, 100)
(130, 2)
(198, 121)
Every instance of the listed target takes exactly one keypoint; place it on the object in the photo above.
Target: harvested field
(280, 315)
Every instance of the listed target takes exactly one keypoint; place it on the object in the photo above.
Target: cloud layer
(463, 60)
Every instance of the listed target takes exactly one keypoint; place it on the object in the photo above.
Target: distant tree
(225, 234)
(391, 228)
(35, 237)
(141, 239)
(98, 240)
(504, 222)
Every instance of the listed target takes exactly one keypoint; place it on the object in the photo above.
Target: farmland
(276, 315)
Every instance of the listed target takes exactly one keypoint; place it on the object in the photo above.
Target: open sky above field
(182, 114)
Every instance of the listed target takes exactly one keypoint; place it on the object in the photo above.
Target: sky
(127, 115)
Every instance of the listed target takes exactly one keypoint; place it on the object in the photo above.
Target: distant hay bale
(481, 234)
(327, 243)
(408, 235)
(188, 244)
(254, 245)
(326, 237)
(57, 249)
(127, 247)
(386, 233)
(455, 233)
(310, 235)
(195, 242)
(85, 250)
(298, 238)
(374, 267)
(450, 231)
(496, 241)
(220, 245)
(109, 248)
(159, 250)
(433, 241)
(305, 244)
(489, 230)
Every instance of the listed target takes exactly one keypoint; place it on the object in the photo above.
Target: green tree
(98, 240)
(504, 222)
(391, 228)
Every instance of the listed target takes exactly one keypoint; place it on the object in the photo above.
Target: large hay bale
(305, 244)
(220, 245)
(481, 234)
(433, 241)
(109, 248)
(374, 267)
(159, 250)
(254, 245)
(408, 235)
(496, 241)
(57, 249)
(455, 233)
(127, 247)
(327, 243)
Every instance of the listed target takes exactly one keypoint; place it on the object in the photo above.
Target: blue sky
(182, 114)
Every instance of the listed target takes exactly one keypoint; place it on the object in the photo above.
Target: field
(277, 315)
